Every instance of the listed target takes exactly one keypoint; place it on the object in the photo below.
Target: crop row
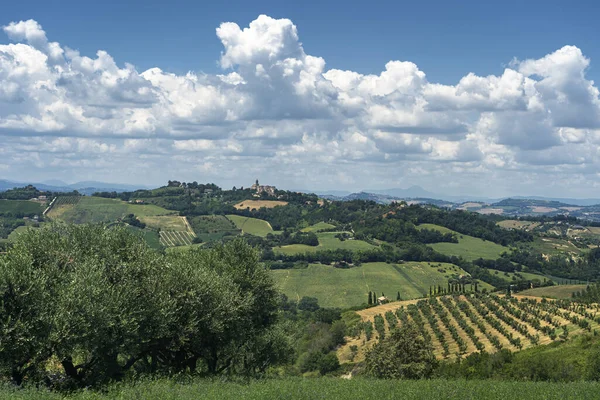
(175, 238)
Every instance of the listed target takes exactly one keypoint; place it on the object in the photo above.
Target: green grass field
(318, 227)
(213, 227)
(20, 206)
(342, 288)
(327, 241)
(468, 247)
(251, 226)
(508, 276)
(98, 209)
(325, 388)
(553, 292)
(552, 246)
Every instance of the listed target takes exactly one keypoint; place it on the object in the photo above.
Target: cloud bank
(279, 114)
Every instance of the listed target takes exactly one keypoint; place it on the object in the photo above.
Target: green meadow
(468, 247)
(327, 241)
(251, 226)
(337, 287)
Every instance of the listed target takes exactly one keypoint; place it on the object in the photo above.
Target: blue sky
(470, 97)
(447, 39)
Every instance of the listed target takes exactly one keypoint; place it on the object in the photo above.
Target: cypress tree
(370, 299)
(398, 296)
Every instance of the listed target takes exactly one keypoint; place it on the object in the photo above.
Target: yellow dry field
(471, 205)
(256, 204)
(538, 209)
(487, 211)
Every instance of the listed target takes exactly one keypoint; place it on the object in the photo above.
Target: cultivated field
(335, 287)
(463, 324)
(554, 292)
(213, 227)
(327, 241)
(256, 204)
(318, 227)
(166, 222)
(251, 226)
(468, 247)
(176, 238)
(15, 207)
(98, 209)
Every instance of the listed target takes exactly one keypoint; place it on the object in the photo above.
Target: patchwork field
(327, 241)
(16, 207)
(468, 247)
(463, 324)
(335, 287)
(98, 209)
(256, 204)
(213, 227)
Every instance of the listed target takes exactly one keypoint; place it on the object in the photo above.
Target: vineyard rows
(463, 324)
(176, 238)
(66, 200)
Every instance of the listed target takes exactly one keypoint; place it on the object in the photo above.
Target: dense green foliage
(102, 305)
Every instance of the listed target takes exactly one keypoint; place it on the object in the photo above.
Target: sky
(462, 98)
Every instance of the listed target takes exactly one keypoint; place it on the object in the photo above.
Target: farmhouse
(382, 300)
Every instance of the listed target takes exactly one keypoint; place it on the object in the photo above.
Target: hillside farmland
(464, 324)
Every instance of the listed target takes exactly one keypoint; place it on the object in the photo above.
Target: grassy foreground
(330, 388)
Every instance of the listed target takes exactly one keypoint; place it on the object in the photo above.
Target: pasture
(335, 287)
(99, 209)
(256, 204)
(251, 226)
(468, 247)
(327, 241)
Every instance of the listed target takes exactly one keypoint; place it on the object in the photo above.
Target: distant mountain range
(417, 192)
(85, 187)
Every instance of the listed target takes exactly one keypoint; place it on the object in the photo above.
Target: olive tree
(90, 303)
(403, 354)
